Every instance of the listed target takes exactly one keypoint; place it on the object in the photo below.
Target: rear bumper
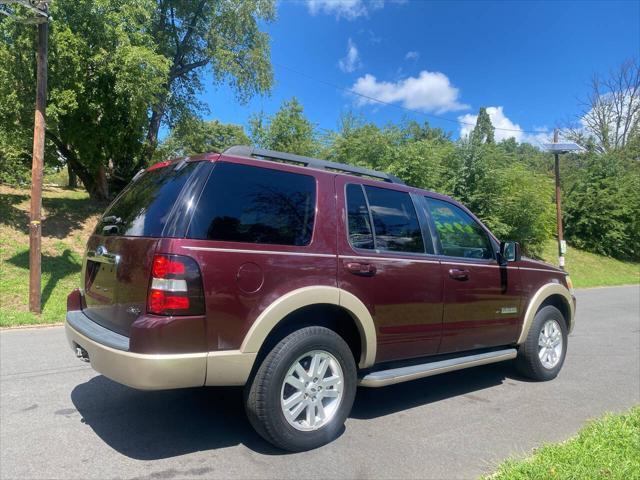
(158, 371)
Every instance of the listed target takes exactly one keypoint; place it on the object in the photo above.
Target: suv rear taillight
(176, 286)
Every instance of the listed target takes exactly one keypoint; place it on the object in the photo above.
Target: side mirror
(510, 252)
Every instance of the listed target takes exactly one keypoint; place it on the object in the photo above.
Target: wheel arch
(549, 294)
(276, 317)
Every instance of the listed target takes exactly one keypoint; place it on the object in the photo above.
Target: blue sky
(530, 61)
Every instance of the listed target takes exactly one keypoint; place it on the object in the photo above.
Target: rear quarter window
(242, 203)
(143, 208)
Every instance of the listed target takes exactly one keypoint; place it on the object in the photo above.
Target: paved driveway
(61, 420)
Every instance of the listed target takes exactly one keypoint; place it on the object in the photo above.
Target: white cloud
(351, 60)
(500, 121)
(412, 55)
(429, 92)
(347, 9)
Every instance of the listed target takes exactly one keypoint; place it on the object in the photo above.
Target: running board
(383, 378)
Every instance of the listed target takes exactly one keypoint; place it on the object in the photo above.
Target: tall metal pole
(558, 205)
(37, 166)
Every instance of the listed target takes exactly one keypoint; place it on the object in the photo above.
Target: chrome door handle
(459, 274)
(362, 269)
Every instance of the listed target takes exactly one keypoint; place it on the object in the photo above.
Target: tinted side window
(144, 206)
(460, 235)
(395, 221)
(359, 224)
(241, 203)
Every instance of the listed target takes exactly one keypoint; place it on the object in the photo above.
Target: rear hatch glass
(120, 251)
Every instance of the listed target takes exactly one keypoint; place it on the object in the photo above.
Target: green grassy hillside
(592, 270)
(68, 218)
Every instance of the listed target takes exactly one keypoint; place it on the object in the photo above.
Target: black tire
(528, 361)
(263, 391)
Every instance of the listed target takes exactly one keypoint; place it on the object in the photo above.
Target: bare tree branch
(610, 115)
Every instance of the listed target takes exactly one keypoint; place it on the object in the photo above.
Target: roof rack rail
(247, 151)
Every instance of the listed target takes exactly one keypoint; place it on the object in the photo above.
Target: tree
(602, 202)
(223, 35)
(194, 135)
(610, 114)
(288, 130)
(363, 144)
(103, 75)
(484, 131)
(513, 201)
(117, 69)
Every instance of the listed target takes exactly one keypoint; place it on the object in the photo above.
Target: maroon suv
(302, 279)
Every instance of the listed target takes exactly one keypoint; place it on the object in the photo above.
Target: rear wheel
(303, 391)
(542, 354)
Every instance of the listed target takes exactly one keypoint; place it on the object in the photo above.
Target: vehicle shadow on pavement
(163, 424)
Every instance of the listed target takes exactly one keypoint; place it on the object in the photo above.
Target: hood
(531, 263)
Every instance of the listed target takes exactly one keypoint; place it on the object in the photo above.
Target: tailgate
(116, 280)
(120, 252)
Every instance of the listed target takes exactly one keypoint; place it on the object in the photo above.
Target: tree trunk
(94, 182)
(152, 134)
(102, 184)
(73, 178)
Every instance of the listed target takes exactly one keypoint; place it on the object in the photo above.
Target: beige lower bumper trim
(164, 371)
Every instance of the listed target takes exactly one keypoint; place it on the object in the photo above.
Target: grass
(592, 270)
(607, 448)
(69, 218)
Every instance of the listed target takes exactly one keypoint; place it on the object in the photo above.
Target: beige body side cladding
(229, 367)
(538, 299)
(304, 297)
(221, 368)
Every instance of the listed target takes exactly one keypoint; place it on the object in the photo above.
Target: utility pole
(557, 149)
(561, 245)
(35, 227)
(41, 18)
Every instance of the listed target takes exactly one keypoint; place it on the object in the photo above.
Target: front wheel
(303, 391)
(542, 354)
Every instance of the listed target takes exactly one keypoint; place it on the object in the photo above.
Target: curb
(35, 325)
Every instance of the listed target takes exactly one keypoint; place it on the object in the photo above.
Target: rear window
(241, 203)
(359, 225)
(395, 221)
(143, 208)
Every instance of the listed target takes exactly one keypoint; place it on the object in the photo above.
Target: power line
(390, 104)
(377, 100)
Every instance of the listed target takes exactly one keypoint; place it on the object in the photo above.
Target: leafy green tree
(484, 131)
(363, 144)
(117, 70)
(223, 35)
(103, 75)
(288, 130)
(414, 131)
(194, 135)
(602, 203)
(513, 201)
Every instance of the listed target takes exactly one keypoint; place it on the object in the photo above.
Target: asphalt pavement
(59, 419)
